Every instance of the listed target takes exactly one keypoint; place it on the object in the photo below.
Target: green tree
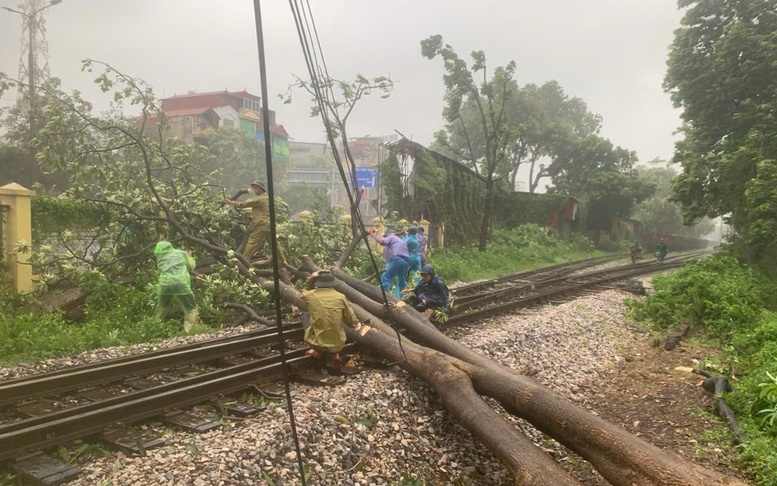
(661, 215)
(547, 121)
(722, 67)
(335, 100)
(603, 176)
(480, 141)
(19, 146)
(237, 159)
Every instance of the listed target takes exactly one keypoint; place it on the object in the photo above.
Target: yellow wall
(17, 228)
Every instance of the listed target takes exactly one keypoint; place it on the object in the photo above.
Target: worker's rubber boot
(337, 364)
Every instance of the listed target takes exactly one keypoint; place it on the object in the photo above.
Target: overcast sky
(611, 53)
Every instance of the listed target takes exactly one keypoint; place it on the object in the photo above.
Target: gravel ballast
(565, 347)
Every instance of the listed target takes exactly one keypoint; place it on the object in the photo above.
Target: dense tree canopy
(661, 215)
(236, 159)
(722, 68)
(480, 140)
(548, 122)
(602, 175)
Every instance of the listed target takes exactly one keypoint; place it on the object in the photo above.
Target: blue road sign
(367, 177)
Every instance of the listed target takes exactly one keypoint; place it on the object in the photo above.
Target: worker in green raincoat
(329, 310)
(175, 282)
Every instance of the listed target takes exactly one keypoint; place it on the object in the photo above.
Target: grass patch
(734, 305)
(523, 248)
(115, 315)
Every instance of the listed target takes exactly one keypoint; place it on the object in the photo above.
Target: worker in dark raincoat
(175, 283)
(430, 293)
(260, 220)
(661, 250)
(328, 310)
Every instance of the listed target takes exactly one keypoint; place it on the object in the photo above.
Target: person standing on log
(328, 310)
(397, 261)
(175, 283)
(260, 221)
(430, 293)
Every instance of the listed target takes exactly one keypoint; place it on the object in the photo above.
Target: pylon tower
(34, 56)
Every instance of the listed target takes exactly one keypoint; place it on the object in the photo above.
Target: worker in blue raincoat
(413, 251)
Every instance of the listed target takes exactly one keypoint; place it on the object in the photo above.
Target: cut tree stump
(673, 339)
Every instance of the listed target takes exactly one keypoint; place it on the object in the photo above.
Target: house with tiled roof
(194, 115)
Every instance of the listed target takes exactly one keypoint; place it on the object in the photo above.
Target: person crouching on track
(397, 261)
(430, 293)
(175, 282)
(328, 310)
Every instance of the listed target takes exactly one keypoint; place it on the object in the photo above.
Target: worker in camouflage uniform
(328, 311)
(175, 283)
(260, 221)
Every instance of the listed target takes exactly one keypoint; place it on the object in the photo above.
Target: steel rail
(147, 354)
(604, 276)
(474, 301)
(58, 427)
(37, 386)
(531, 273)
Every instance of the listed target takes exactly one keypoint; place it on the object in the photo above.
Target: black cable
(273, 232)
(329, 96)
(320, 97)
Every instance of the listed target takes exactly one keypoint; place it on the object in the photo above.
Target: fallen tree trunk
(447, 376)
(717, 386)
(621, 458)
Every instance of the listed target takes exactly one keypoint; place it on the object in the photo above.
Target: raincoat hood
(163, 248)
(427, 269)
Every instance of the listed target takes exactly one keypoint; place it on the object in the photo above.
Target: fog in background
(611, 53)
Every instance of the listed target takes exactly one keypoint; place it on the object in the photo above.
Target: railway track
(554, 286)
(89, 400)
(477, 290)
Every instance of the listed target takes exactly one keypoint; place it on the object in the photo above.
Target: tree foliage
(140, 180)
(603, 176)
(722, 67)
(661, 215)
(235, 159)
(479, 141)
(546, 121)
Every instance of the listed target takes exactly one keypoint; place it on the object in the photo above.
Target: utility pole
(34, 66)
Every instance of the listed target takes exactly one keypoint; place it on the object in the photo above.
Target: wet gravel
(382, 426)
